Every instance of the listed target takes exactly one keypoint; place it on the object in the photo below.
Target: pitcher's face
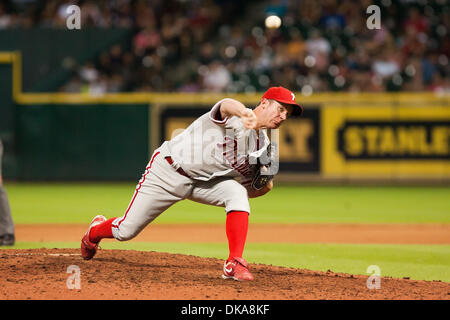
(273, 113)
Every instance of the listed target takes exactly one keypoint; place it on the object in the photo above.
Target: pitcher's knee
(237, 200)
(124, 234)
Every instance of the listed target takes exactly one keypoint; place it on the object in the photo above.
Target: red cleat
(89, 248)
(236, 269)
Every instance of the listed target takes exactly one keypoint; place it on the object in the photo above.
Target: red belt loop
(179, 170)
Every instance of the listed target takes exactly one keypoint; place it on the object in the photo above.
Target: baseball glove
(261, 178)
(266, 168)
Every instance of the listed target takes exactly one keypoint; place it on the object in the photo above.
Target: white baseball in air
(273, 22)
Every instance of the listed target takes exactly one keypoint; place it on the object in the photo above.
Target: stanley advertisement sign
(400, 140)
(386, 142)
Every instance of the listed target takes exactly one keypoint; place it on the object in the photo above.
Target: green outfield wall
(89, 142)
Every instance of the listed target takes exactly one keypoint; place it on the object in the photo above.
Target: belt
(179, 170)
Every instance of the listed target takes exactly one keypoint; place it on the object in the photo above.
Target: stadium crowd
(224, 46)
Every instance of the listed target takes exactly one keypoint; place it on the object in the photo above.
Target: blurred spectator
(73, 86)
(217, 77)
(385, 64)
(416, 22)
(332, 19)
(5, 18)
(216, 45)
(88, 73)
(319, 49)
(296, 46)
(146, 40)
(439, 84)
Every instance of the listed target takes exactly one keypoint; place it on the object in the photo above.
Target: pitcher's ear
(263, 103)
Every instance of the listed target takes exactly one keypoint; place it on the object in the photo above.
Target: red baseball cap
(284, 95)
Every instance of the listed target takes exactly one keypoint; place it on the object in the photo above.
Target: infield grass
(79, 202)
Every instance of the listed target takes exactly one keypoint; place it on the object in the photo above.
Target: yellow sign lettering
(371, 135)
(406, 140)
(293, 138)
(440, 140)
(403, 141)
(387, 141)
(354, 145)
(424, 147)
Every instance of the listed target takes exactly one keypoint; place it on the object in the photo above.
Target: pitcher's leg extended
(233, 196)
(160, 187)
(146, 205)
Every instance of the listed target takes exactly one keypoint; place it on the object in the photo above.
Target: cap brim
(298, 110)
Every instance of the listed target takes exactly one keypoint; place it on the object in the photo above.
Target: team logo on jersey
(239, 162)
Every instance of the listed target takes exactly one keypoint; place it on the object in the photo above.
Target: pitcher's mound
(125, 274)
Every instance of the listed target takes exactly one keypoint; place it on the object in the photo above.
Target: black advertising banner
(394, 140)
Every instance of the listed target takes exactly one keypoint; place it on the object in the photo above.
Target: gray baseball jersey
(211, 147)
(6, 222)
(200, 164)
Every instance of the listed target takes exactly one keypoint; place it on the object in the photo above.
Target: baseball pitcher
(221, 159)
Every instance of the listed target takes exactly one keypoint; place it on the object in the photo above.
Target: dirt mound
(118, 274)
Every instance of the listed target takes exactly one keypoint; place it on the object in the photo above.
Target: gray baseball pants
(161, 186)
(6, 222)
